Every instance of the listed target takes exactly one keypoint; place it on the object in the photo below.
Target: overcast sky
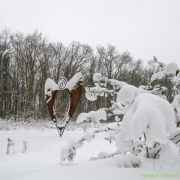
(145, 28)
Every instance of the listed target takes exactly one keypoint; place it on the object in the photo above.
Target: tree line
(26, 61)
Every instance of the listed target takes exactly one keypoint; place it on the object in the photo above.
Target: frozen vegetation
(144, 143)
(149, 127)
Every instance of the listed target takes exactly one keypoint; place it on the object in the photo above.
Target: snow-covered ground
(42, 159)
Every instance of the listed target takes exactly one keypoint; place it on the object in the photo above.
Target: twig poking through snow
(10, 143)
(24, 146)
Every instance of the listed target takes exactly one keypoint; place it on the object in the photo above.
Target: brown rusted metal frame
(75, 95)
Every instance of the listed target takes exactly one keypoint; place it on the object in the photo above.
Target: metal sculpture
(74, 86)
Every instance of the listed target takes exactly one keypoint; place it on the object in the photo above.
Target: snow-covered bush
(149, 123)
(69, 151)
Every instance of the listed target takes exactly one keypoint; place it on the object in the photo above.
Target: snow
(117, 118)
(90, 97)
(158, 75)
(96, 77)
(127, 94)
(176, 79)
(110, 126)
(93, 92)
(122, 145)
(103, 155)
(42, 159)
(169, 155)
(71, 84)
(95, 116)
(117, 83)
(171, 68)
(151, 115)
(89, 136)
(175, 136)
(50, 84)
(152, 64)
(82, 117)
(176, 103)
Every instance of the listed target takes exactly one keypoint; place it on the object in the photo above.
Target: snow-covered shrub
(154, 118)
(151, 115)
(148, 126)
(68, 152)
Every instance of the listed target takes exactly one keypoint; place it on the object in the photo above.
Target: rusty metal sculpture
(74, 86)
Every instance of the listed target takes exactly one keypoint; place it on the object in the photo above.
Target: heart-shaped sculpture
(74, 86)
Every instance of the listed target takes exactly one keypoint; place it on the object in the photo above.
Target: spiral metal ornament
(62, 83)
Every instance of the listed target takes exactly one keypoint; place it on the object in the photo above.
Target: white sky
(145, 28)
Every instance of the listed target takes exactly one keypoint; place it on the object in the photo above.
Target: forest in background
(26, 61)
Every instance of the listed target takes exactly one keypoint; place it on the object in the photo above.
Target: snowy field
(42, 159)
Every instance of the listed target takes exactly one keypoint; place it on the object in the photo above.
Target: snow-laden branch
(175, 136)
(92, 116)
(68, 152)
(171, 68)
(100, 89)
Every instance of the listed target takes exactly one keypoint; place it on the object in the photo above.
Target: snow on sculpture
(74, 86)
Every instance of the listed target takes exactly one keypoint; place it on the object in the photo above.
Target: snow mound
(127, 161)
(103, 155)
(169, 155)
